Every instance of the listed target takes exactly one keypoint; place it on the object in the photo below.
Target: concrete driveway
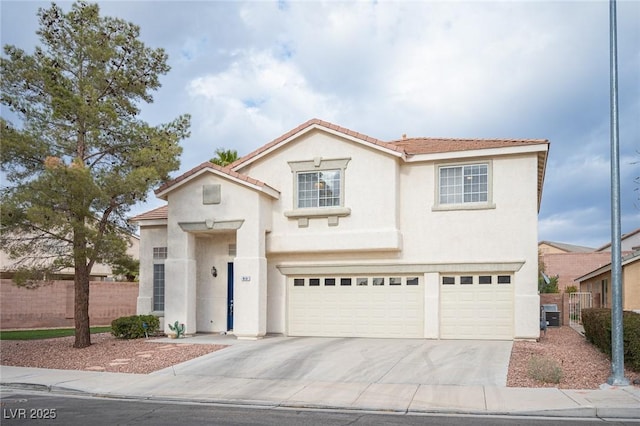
(385, 361)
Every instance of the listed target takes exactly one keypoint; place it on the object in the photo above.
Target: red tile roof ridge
(208, 165)
(157, 213)
(435, 139)
(309, 123)
(423, 145)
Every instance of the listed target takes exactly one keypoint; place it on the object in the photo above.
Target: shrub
(544, 369)
(132, 327)
(597, 329)
(571, 289)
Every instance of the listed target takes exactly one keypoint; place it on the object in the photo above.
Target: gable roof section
(402, 148)
(568, 247)
(223, 172)
(312, 125)
(623, 237)
(161, 212)
(427, 146)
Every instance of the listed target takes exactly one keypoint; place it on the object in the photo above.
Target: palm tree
(224, 157)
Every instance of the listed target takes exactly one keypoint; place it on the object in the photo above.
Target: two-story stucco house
(328, 232)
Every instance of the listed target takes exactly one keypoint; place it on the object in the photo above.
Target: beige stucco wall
(548, 249)
(192, 295)
(392, 222)
(370, 184)
(631, 280)
(150, 236)
(506, 233)
(630, 286)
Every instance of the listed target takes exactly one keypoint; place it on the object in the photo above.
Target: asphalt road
(23, 407)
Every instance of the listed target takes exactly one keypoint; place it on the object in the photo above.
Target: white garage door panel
(476, 311)
(356, 311)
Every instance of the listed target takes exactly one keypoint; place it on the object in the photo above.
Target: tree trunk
(81, 309)
(81, 300)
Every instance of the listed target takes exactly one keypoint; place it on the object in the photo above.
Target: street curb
(584, 412)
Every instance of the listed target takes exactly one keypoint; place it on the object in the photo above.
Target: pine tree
(78, 157)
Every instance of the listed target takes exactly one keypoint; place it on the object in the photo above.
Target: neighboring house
(552, 247)
(569, 266)
(328, 232)
(598, 283)
(100, 272)
(629, 242)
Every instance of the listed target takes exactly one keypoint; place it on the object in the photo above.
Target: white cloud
(248, 72)
(585, 227)
(257, 98)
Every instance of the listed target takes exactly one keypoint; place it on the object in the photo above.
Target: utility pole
(617, 344)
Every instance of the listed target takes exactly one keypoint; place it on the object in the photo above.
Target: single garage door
(476, 307)
(356, 306)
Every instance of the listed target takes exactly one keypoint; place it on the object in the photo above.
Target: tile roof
(310, 123)
(406, 146)
(413, 146)
(622, 237)
(207, 165)
(157, 213)
(568, 247)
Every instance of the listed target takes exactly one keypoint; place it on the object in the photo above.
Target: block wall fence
(51, 305)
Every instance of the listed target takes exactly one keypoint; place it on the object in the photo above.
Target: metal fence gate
(578, 302)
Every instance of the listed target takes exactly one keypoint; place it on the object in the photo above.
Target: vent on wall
(210, 194)
(232, 249)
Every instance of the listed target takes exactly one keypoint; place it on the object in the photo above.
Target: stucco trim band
(399, 268)
(211, 225)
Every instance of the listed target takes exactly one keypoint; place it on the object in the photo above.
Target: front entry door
(229, 296)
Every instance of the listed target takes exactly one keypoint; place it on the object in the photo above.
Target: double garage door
(471, 306)
(380, 306)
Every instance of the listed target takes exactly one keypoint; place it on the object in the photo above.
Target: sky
(248, 72)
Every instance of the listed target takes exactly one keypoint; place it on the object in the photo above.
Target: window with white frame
(158, 287)
(319, 189)
(159, 255)
(460, 184)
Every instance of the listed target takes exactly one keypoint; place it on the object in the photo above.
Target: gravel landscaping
(581, 365)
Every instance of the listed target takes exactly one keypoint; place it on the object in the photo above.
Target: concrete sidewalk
(610, 402)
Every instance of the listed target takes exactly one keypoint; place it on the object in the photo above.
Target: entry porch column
(250, 280)
(180, 281)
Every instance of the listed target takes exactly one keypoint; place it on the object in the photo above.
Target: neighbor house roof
(626, 260)
(623, 237)
(157, 213)
(568, 247)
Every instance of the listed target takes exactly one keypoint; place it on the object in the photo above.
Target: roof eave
(308, 127)
(204, 168)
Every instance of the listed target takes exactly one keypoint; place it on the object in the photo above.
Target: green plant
(571, 289)
(550, 287)
(127, 267)
(178, 328)
(133, 327)
(544, 369)
(597, 329)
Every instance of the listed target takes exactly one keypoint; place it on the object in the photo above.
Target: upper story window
(464, 186)
(319, 189)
